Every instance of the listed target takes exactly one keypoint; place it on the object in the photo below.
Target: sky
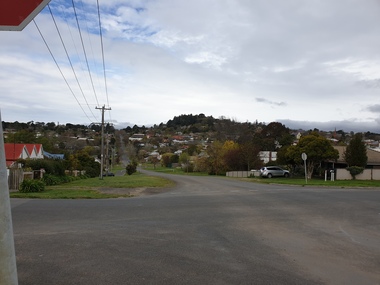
(306, 64)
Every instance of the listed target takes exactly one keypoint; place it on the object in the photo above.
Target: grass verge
(317, 182)
(91, 188)
(172, 170)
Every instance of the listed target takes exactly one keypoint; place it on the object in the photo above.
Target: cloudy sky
(306, 64)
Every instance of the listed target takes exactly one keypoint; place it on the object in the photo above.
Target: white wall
(368, 174)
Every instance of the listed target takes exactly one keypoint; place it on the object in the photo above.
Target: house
(13, 152)
(372, 155)
(137, 137)
(39, 151)
(267, 156)
(53, 156)
(32, 151)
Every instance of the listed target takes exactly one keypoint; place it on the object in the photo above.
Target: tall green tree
(356, 152)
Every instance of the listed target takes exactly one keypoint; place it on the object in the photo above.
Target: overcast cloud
(307, 64)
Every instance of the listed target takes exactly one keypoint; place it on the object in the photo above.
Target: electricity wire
(102, 47)
(84, 51)
(89, 40)
(64, 78)
(71, 64)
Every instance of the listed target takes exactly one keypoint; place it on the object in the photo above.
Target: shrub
(55, 167)
(30, 186)
(131, 168)
(188, 167)
(91, 171)
(50, 179)
(355, 170)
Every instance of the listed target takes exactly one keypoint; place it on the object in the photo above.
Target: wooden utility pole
(8, 269)
(102, 147)
(107, 155)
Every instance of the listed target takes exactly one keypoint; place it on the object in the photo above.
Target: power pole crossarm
(102, 147)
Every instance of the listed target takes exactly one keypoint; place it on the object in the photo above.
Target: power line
(68, 57)
(52, 55)
(89, 40)
(84, 51)
(102, 46)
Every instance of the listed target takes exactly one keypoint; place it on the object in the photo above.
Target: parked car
(108, 174)
(273, 171)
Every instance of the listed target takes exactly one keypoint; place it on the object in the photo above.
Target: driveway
(206, 230)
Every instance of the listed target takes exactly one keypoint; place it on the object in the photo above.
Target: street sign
(304, 156)
(16, 14)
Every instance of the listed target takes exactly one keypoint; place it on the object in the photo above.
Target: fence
(341, 174)
(243, 174)
(16, 176)
(368, 174)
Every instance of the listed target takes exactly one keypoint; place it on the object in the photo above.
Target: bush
(188, 167)
(355, 170)
(91, 171)
(50, 179)
(131, 168)
(31, 186)
(55, 167)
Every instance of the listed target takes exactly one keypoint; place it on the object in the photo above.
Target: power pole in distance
(102, 147)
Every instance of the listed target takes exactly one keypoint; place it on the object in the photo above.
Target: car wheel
(286, 175)
(269, 175)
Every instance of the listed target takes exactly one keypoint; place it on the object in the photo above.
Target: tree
(131, 167)
(154, 160)
(184, 159)
(356, 155)
(356, 152)
(231, 156)
(166, 159)
(250, 155)
(215, 158)
(317, 148)
(273, 136)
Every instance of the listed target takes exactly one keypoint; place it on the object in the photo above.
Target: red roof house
(14, 151)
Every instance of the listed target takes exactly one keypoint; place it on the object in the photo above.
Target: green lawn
(316, 182)
(90, 188)
(290, 181)
(171, 170)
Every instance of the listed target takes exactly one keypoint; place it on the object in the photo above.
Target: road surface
(206, 230)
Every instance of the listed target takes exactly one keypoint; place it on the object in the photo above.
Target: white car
(273, 171)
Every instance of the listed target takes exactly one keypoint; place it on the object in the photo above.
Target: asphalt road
(206, 230)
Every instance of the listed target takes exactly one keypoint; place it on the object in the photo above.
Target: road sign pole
(305, 171)
(304, 158)
(8, 269)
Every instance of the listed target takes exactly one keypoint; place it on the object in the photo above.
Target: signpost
(16, 14)
(304, 158)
